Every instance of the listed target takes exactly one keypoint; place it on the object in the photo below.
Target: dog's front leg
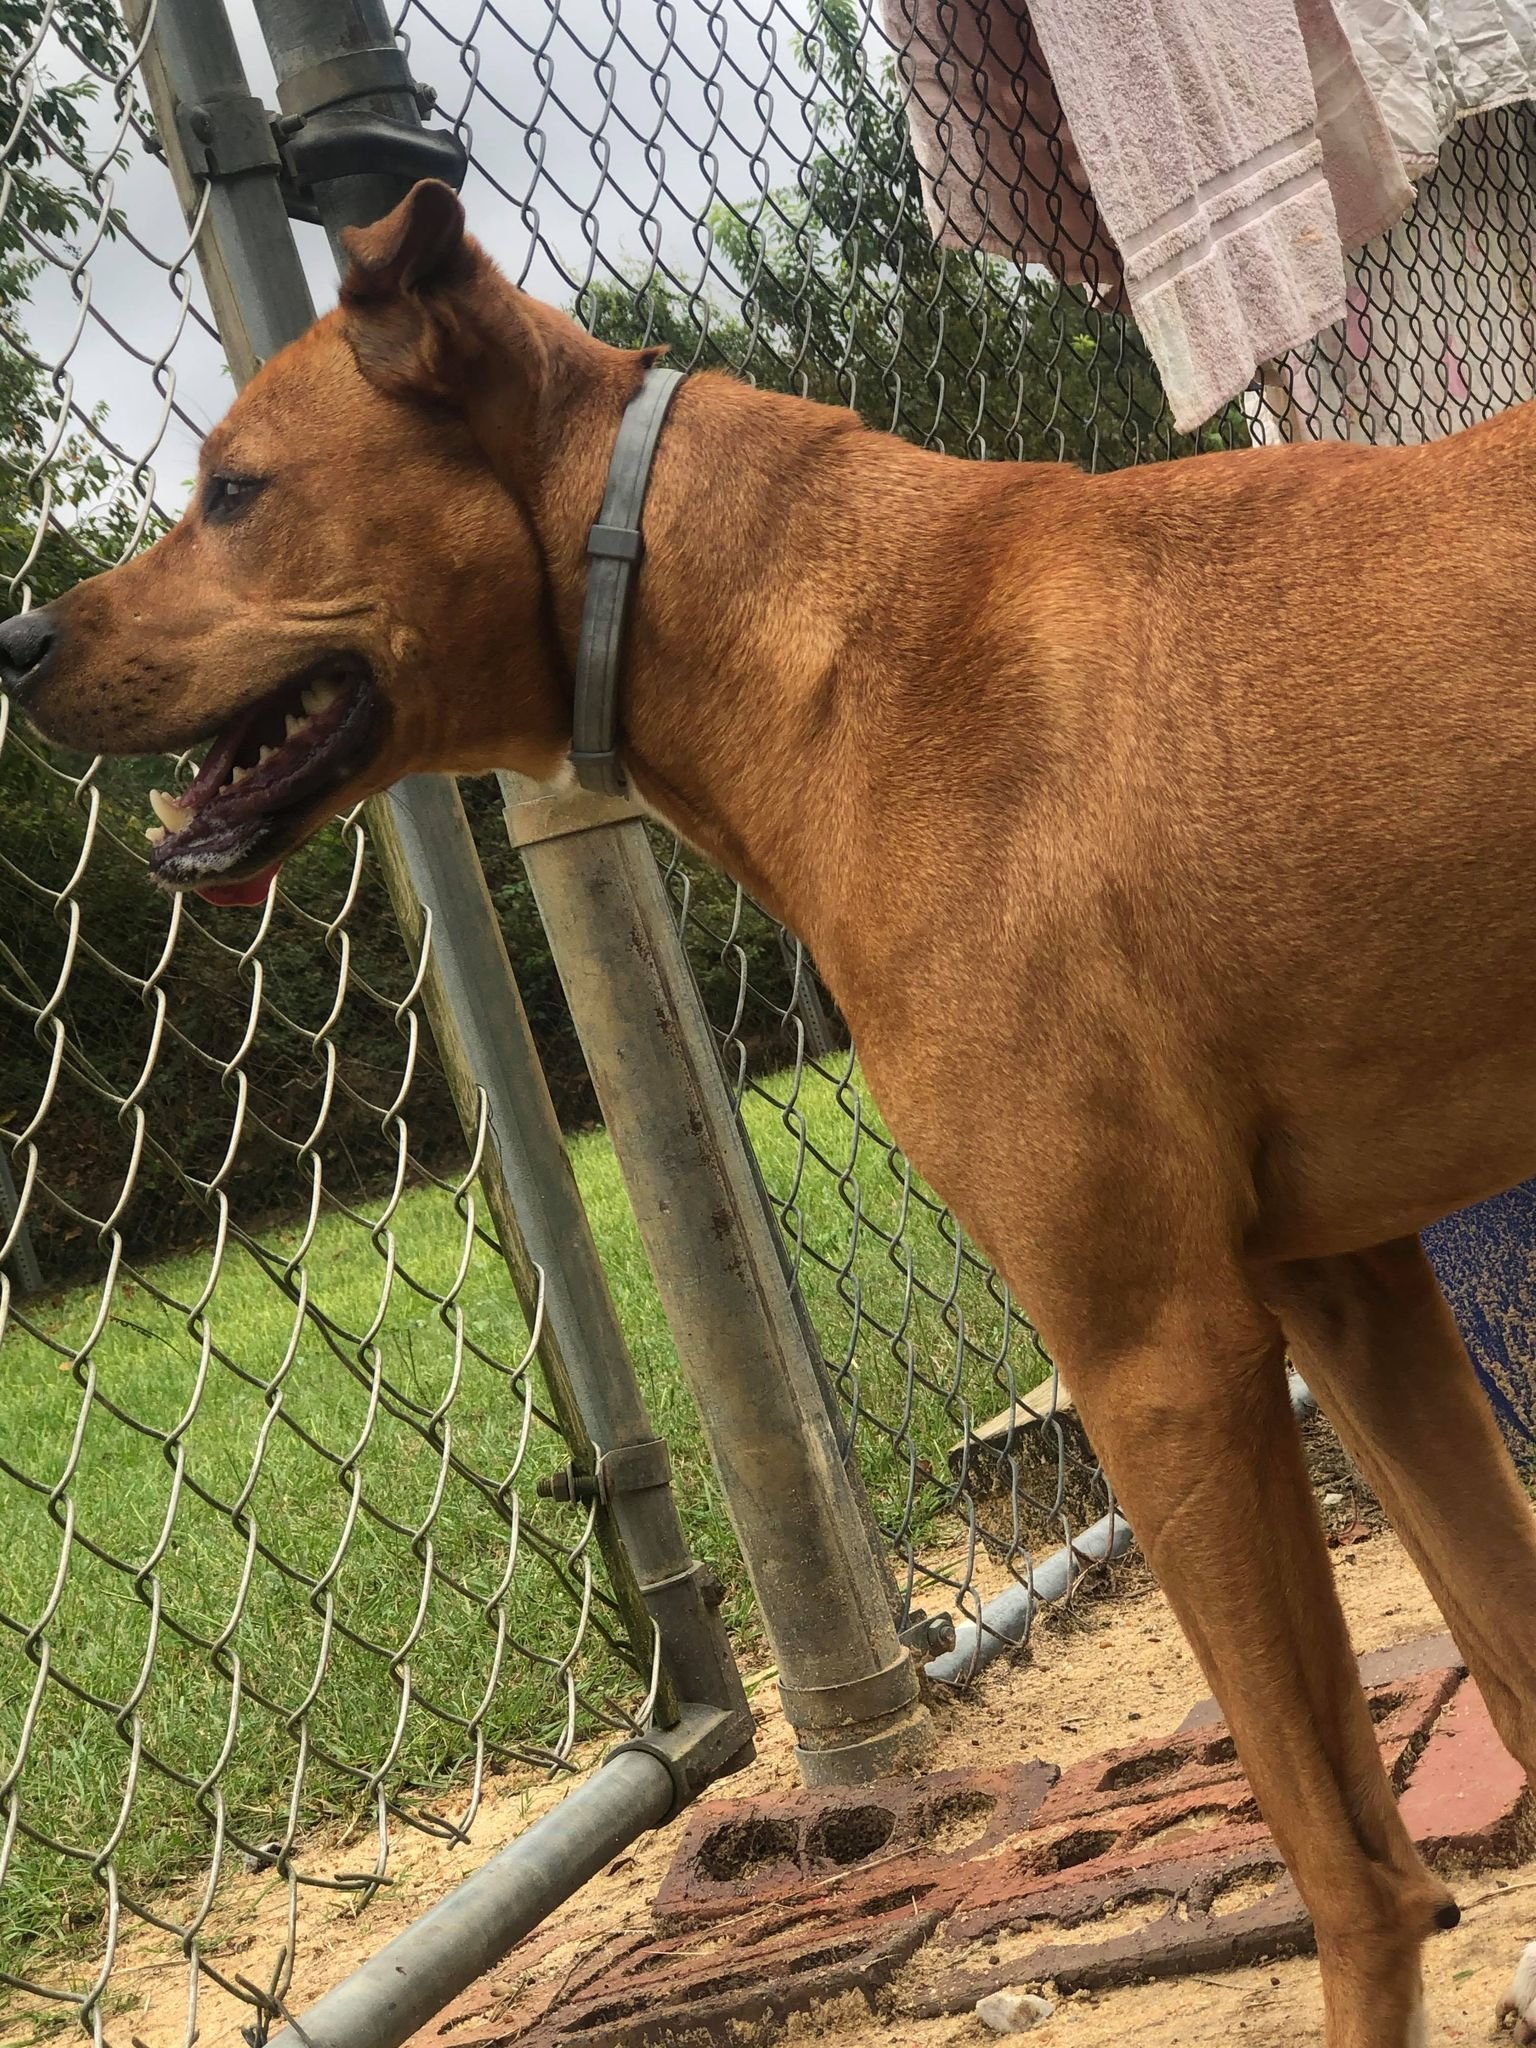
(1186, 1404)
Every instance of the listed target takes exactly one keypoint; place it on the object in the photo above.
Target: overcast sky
(578, 147)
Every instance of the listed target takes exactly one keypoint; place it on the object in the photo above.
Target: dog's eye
(226, 497)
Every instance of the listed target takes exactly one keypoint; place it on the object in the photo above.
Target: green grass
(246, 1523)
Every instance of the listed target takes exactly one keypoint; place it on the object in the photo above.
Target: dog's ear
(403, 295)
(419, 244)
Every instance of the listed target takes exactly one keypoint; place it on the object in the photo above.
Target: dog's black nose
(25, 647)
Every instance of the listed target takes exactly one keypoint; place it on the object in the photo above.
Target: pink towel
(1205, 165)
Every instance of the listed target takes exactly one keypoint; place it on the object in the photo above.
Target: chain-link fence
(276, 1585)
(277, 1588)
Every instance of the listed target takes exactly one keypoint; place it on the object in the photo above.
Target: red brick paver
(752, 1852)
(1144, 1861)
(1467, 1802)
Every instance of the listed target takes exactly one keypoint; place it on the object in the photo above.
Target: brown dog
(1180, 821)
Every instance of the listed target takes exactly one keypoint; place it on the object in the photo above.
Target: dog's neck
(788, 606)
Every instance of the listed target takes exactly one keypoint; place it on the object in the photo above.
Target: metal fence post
(483, 1036)
(261, 300)
(848, 1686)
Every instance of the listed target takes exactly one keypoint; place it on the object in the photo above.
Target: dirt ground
(1108, 1672)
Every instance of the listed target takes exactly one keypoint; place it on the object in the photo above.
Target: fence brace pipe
(849, 1687)
(393, 1994)
(1005, 1621)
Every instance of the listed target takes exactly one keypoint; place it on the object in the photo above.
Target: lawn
(282, 1563)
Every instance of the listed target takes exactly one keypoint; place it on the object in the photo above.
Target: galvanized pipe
(256, 283)
(1005, 1622)
(847, 1684)
(482, 1032)
(413, 1977)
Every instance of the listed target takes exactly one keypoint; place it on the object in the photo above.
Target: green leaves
(52, 197)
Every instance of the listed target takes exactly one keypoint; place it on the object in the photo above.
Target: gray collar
(614, 549)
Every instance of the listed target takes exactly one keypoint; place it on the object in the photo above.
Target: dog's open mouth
(226, 834)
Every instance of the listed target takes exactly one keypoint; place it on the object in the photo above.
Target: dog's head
(358, 589)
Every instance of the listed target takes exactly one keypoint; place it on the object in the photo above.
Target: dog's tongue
(253, 891)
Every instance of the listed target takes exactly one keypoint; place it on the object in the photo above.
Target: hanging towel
(1000, 170)
(1211, 164)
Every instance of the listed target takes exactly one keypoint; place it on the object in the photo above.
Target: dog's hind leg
(1373, 1336)
(1186, 1403)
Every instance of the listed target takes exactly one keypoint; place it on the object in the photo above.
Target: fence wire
(276, 1592)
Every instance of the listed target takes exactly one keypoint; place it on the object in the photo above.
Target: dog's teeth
(154, 834)
(238, 775)
(265, 754)
(294, 724)
(320, 696)
(172, 815)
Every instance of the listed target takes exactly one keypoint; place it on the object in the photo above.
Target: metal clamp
(929, 1635)
(324, 134)
(228, 135)
(232, 135)
(349, 142)
(827, 1708)
(707, 1743)
(353, 75)
(632, 1468)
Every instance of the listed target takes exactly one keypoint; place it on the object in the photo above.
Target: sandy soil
(1129, 1663)
(1106, 1672)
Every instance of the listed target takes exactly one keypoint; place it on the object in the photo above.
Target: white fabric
(1204, 167)
(1232, 155)
(1431, 62)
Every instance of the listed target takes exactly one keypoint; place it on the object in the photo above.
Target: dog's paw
(1519, 2001)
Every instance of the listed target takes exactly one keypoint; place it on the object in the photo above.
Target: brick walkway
(1140, 1862)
